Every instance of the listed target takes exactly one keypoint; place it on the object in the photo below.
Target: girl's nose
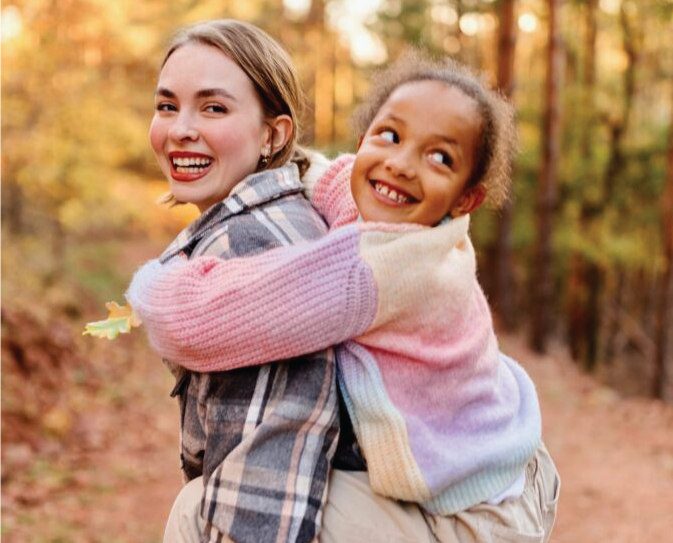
(400, 164)
(184, 129)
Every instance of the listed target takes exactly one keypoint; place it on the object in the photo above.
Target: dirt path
(615, 456)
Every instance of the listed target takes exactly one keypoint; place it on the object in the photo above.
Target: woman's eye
(216, 108)
(166, 106)
(441, 158)
(390, 135)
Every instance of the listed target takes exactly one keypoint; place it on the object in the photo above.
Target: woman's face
(208, 130)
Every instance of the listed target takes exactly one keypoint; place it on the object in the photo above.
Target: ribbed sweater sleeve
(331, 195)
(319, 165)
(209, 314)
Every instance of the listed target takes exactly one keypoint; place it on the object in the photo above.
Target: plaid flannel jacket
(263, 437)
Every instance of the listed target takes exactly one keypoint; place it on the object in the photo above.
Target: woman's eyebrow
(203, 93)
(208, 93)
(163, 91)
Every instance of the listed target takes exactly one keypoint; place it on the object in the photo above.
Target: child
(443, 419)
(223, 133)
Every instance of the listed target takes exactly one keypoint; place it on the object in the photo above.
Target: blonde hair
(268, 66)
(497, 144)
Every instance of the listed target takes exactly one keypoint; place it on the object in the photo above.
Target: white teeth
(186, 162)
(390, 193)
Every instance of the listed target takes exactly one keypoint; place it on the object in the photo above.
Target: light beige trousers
(354, 514)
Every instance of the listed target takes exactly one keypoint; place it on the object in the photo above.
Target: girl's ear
(281, 132)
(360, 142)
(470, 200)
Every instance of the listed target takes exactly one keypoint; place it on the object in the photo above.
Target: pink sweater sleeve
(332, 196)
(186, 305)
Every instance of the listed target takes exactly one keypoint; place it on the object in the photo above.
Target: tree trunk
(12, 206)
(503, 301)
(584, 276)
(314, 33)
(546, 199)
(592, 210)
(663, 356)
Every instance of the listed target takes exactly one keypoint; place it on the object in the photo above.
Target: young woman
(260, 439)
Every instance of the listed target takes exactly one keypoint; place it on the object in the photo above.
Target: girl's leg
(354, 514)
(527, 519)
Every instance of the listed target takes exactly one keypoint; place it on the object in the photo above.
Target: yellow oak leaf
(121, 319)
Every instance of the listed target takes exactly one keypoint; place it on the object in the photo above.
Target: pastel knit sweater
(442, 417)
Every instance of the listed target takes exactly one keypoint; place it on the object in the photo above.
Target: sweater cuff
(319, 165)
(145, 279)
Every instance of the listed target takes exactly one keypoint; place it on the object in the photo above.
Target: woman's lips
(188, 167)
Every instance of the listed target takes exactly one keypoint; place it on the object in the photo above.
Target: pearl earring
(266, 155)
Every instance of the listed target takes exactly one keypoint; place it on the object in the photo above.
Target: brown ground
(90, 448)
(615, 455)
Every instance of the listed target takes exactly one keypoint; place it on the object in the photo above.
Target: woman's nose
(184, 128)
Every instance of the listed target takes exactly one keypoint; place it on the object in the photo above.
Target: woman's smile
(187, 167)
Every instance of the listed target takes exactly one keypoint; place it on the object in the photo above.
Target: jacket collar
(253, 191)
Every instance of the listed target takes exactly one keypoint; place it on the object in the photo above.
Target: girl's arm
(330, 192)
(209, 314)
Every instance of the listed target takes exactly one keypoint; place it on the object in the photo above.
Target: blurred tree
(542, 288)
(663, 364)
(583, 309)
(504, 274)
(73, 122)
(618, 126)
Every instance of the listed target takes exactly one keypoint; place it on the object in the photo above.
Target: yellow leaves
(120, 320)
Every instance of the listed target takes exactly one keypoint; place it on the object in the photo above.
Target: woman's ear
(281, 132)
(470, 200)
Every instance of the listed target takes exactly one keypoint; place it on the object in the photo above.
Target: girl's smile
(391, 194)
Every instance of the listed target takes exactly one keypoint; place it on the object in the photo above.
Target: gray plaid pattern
(263, 437)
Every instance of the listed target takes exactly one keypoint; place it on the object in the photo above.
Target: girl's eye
(390, 135)
(216, 108)
(442, 158)
(166, 106)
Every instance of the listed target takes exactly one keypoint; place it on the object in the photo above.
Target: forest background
(577, 267)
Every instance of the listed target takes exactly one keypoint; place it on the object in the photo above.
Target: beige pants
(354, 514)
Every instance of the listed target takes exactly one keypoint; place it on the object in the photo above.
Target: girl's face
(208, 130)
(417, 155)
